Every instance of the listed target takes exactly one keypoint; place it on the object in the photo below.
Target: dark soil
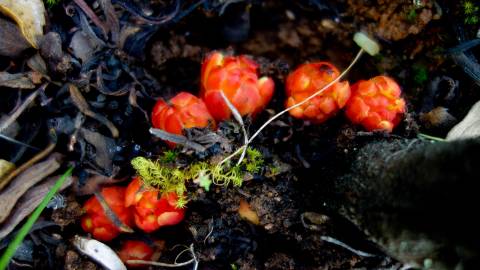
(312, 158)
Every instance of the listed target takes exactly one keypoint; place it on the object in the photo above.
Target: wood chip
(5, 168)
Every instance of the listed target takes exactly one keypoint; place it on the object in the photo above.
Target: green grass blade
(12, 247)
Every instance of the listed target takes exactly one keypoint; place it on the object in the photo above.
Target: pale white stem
(309, 98)
(319, 92)
(238, 117)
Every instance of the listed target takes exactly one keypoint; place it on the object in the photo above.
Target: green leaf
(25, 229)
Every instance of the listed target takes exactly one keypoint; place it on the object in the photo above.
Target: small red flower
(236, 77)
(182, 111)
(97, 223)
(135, 250)
(376, 104)
(152, 210)
(308, 79)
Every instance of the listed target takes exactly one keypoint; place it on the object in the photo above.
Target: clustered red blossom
(182, 111)
(145, 207)
(152, 210)
(96, 222)
(135, 250)
(305, 81)
(236, 77)
(375, 104)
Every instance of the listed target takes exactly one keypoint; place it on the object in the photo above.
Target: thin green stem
(25, 229)
(429, 137)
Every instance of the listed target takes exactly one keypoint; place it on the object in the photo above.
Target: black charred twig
(178, 139)
(89, 12)
(13, 117)
(110, 214)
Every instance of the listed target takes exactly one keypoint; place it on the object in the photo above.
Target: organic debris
(217, 127)
(469, 127)
(24, 181)
(28, 202)
(29, 15)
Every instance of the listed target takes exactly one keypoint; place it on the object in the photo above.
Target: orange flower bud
(135, 250)
(236, 77)
(152, 211)
(95, 220)
(182, 111)
(308, 79)
(376, 104)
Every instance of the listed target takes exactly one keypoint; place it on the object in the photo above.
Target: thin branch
(193, 261)
(310, 97)
(178, 139)
(12, 140)
(345, 246)
(171, 265)
(110, 214)
(5, 124)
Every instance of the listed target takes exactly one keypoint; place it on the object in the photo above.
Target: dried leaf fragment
(17, 80)
(99, 252)
(28, 202)
(469, 127)
(247, 213)
(24, 181)
(5, 168)
(12, 43)
(29, 15)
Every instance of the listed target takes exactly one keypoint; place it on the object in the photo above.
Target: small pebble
(290, 15)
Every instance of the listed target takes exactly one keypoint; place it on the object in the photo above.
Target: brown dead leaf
(246, 212)
(5, 168)
(12, 43)
(28, 202)
(17, 80)
(36, 173)
(29, 15)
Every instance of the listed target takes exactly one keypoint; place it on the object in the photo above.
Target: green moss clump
(470, 10)
(165, 178)
(420, 74)
(51, 3)
(253, 161)
(162, 175)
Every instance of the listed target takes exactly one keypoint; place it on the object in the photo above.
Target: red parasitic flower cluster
(146, 208)
(375, 104)
(96, 222)
(236, 77)
(151, 209)
(135, 250)
(182, 111)
(305, 81)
